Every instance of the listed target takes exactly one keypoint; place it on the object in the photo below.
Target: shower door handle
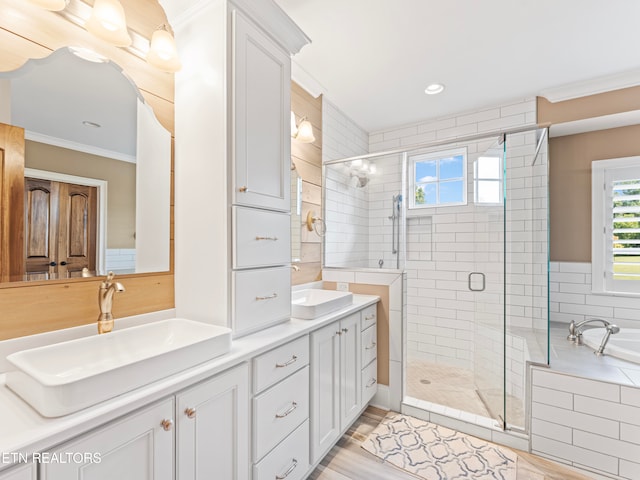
(470, 280)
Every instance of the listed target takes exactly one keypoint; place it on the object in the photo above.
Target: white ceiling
(51, 97)
(374, 58)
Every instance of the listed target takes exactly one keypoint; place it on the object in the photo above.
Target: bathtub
(624, 344)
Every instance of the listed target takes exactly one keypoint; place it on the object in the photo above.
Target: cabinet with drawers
(281, 412)
(369, 372)
(232, 172)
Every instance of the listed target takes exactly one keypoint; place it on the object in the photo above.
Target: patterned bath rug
(433, 452)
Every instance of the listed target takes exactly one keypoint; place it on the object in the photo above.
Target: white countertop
(25, 431)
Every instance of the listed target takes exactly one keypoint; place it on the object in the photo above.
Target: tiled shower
(476, 289)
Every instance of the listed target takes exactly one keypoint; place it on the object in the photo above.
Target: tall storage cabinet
(232, 192)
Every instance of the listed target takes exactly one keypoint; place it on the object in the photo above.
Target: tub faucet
(575, 332)
(105, 300)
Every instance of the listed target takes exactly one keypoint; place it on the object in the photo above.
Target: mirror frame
(39, 306)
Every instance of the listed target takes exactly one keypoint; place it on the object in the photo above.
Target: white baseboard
(382, 398)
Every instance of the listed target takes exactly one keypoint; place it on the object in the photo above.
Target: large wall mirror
(97, 169)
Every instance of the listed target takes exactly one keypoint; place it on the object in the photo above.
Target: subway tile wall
(345, 205)
(121, 260)
(571, 298)
(586, 423)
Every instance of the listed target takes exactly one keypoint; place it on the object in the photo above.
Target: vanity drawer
(369, 382)
(369, 316)
(260, 238)
(271, 367)
(278, 411)
(369, 345)
(288, 460)
(260, 298)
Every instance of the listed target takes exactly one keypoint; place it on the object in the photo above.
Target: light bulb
(107, 21)
(305, 132)
(163, 53)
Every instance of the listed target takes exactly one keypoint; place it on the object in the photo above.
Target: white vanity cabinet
(138, 446)
(335, 382)
(281, 412)
(27, 471)
(212, 428)
(369, 342)
(205, 428)
(261, 116)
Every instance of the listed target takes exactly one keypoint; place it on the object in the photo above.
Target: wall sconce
(302, 132)
(163, 53)
(107, 22)
(53, 5)
(359, 172)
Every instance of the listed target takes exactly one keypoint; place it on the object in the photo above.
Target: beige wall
(121, 189)
(307, 157)
(570, 186)
(570, 160)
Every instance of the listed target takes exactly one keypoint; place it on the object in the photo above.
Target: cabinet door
(23, 472)
(261, 118)
(350, 370)
(137, 447)
(213, 428)
(325, 389)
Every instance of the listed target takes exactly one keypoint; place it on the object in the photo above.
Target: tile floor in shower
(454, 387)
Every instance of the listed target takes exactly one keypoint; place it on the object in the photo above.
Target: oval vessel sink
(313, 303)
(65, 377)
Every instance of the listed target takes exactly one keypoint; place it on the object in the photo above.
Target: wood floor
(348, 461)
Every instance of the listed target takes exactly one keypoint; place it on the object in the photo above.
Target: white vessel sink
(65, 377)
(311, 303)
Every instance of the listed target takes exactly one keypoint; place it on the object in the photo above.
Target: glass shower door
(486, 283)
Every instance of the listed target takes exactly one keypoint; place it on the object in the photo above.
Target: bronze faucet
(105, 299)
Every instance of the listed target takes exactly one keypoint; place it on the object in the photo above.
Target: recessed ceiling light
(434, 89)
(87, 123)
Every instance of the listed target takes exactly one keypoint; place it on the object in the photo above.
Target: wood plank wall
(27, 31)
(307, 157)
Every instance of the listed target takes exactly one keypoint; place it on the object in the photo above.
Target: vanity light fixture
(163, 53)
(107, 21)
(53, 5)
(302, 132)
(434, 89)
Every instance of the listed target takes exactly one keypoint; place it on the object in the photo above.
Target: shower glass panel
(486, 237)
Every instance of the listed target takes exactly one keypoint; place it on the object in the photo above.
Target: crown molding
(585, 88)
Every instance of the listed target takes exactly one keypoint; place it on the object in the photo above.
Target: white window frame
(435, 156)
(477, 179)
(602, 173)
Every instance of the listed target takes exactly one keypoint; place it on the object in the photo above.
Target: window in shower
(616, 225)
(487, 180)
(438, 179)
